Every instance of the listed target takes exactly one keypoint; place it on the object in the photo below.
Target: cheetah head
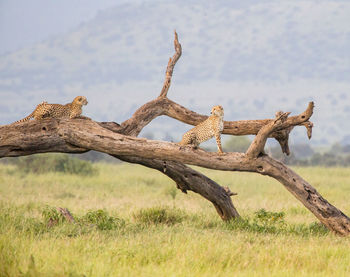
(217, 111)
(80, 100)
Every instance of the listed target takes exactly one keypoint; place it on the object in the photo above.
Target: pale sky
(253, 57)
(25, 22)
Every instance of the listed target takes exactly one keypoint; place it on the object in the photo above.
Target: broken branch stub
(170, 67)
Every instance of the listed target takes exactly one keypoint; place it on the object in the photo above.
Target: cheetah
(212, 126)
(45, 110)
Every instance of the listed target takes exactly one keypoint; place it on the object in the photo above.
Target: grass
(129, 221)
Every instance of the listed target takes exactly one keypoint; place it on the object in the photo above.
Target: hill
(253, 58)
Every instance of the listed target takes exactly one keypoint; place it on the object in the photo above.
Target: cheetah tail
(26, 118)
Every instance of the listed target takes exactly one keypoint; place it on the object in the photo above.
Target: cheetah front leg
(74, 115)
(78, 115)
(218, 142)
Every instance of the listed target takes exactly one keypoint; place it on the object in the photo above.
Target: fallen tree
(121, 141)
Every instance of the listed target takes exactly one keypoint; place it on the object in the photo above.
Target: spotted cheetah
(45, 110)
(212, 126)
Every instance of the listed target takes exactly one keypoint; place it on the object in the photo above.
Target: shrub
(43, 163)
(102, 220)
(99, 218)
(159, 215)
(269, 219)
(50, 214)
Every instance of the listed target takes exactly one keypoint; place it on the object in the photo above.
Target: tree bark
(187, 178)
(120, 140)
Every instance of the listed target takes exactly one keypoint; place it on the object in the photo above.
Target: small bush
(50, 214)
(269, 219)
(99, 219)
(159, 215)
(102, 220)
(43, 163)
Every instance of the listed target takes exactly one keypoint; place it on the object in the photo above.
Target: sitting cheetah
(45, 110)
(207, 129)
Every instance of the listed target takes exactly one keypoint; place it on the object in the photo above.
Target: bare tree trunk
(120, 140)
(188, 179)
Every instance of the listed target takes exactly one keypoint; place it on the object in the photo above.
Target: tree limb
(257, 146)
(87, 134)
(80, 135)
(187, 178)
(170, 67)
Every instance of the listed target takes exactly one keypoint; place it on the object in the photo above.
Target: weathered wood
(257, 146)
(164, 106)
(170, 67)
(87, 134)
(80, 135)
(16, 142)
(193, 180)
(333, 218)
(329, 215)
(187, 178)
(66, 214)
(33, 137)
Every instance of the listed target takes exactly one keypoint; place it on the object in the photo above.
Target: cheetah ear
(79, 99)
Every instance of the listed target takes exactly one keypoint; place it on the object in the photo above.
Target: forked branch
(81, 135)
(257, 146)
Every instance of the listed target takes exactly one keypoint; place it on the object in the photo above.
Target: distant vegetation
(304, 155)
(64, 163)
(237, 144)
(301, 154)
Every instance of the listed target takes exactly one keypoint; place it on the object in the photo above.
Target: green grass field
(130, 221)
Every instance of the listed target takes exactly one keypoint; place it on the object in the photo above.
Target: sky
(26, 22)
(253, 57)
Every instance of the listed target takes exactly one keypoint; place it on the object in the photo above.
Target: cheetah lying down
(45, 110)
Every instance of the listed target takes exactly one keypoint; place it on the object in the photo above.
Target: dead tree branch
(170, 67)
(257, 146)
(187, 178)
(80, 135)
(87, 134)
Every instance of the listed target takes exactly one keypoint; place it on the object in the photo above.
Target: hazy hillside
(252, 58)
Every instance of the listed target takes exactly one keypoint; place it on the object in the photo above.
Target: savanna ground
(131, 221)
